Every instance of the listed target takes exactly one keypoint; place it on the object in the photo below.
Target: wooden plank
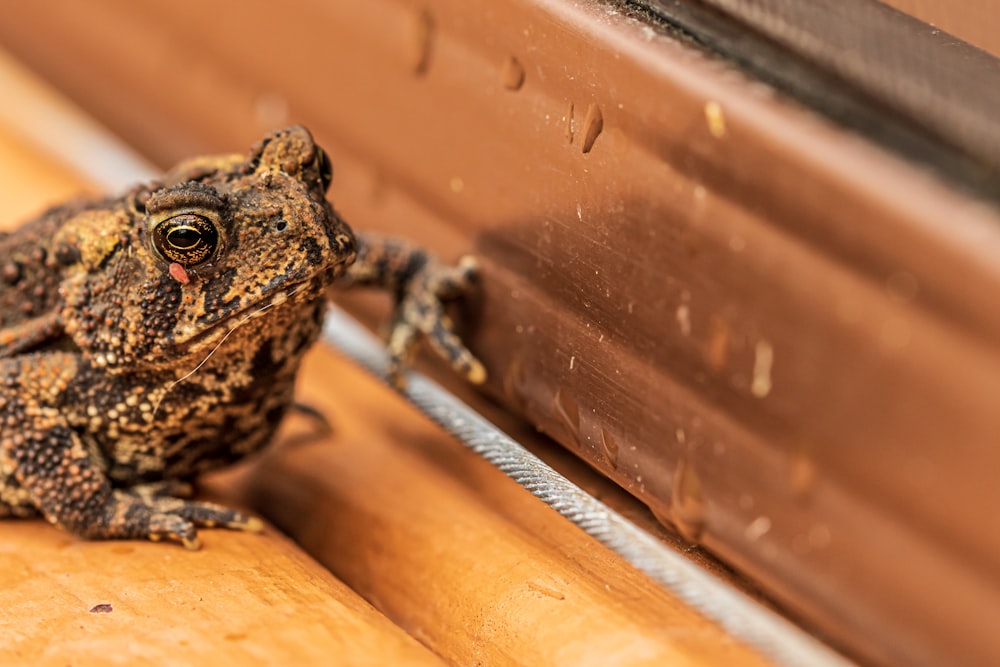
(247, 599)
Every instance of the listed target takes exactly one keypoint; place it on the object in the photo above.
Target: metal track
(772, 636)
(915, 90)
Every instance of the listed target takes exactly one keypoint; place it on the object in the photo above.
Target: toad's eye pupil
(183, 238)
(187, 239)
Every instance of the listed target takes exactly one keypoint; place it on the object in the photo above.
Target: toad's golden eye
(325, 168)
(188, 239)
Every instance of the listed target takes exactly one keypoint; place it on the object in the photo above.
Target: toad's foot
(130, 516)
(421, 285)
(176, 520)
(421, 312)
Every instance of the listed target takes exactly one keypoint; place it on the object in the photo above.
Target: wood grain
(247, 599)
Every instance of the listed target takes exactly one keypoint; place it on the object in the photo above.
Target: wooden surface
(779, 336)
(242, 599)
(465, 567)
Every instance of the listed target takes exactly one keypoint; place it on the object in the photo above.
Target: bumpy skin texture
(151, 337)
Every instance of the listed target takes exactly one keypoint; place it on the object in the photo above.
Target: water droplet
(716, 119)
(421, 42)
(512, 74)
(757, 529)
(570, 128)
(802, 474)
(688, 502)
(762, 363)
(717, 351)
(566, 408)
(514, 381)
(610, 446)
(593, 124)
(684, 319)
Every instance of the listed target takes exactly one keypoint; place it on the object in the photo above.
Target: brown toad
(151, 337)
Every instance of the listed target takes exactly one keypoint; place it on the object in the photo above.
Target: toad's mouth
(309, 289)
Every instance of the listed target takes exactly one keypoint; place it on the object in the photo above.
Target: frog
(153, 336)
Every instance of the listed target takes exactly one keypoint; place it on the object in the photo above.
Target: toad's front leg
(43, 456)
(421, 286)
(72, 493)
